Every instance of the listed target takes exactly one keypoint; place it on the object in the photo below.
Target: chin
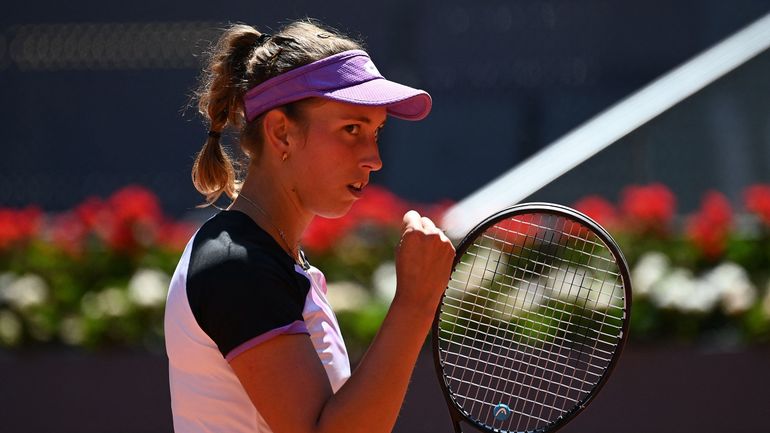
(337, 212)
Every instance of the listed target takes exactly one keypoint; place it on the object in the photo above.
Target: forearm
(371, 399)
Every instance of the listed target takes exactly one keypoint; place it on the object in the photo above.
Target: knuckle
(422, 232)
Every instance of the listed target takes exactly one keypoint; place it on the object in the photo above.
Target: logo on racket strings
(502, 412)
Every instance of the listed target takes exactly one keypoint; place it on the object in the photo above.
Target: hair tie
(263, 38)
(215, 134)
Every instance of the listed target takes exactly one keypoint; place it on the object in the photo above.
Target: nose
(371, 159)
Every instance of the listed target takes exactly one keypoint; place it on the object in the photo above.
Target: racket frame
(456, 412)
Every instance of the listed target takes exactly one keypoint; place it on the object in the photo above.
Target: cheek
(320, 179)
(320, 165)
(327, 156)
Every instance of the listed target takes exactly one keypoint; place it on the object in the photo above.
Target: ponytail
(220, 102)
(213, 172)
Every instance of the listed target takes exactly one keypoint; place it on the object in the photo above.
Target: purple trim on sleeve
(296, 327)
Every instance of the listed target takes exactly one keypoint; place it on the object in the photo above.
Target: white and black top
(234, 288)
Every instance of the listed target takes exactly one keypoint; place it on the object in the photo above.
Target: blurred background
(96, 201)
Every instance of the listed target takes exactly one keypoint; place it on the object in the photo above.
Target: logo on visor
(370, 68)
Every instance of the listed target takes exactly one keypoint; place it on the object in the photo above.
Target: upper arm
(285, 381)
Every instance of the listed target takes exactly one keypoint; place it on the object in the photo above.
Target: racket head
(531, 359)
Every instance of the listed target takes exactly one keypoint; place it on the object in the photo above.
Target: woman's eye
(378, 133)
(353, 129)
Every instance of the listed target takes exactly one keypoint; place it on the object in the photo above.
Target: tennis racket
(532, 321)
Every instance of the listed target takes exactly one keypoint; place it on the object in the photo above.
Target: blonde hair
(243, 58)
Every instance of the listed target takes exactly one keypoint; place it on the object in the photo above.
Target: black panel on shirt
(240, 282)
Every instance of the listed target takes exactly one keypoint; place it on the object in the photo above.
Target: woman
(253, 345)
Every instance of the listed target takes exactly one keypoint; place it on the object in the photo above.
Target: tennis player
(253, 344)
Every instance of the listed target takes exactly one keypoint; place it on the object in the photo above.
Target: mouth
(357, 188)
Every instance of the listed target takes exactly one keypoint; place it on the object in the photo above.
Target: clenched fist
(423, 263)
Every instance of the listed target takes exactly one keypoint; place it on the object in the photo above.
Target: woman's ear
(276, 131)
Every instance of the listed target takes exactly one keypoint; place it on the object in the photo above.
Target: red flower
(649, 208)
(135, 203)
(709, 228)
(175, 235)
(128, 221)
(130, 218)
(378, 206)
(757, 200)
(323, 233)
(92, 212)
(68, 232)
(598, 209)
(18, 225)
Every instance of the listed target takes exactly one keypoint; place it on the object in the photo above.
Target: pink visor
(350, 77)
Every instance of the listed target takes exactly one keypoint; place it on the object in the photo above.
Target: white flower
(728, 283)
(148, 288)
(24, 292)
(72, 330)
(384, 281)
(10, 328)
(110, 302)
(736, 290)
(681, 290)
(649, 269)
(346, 296)
(113, 302)
(704, 297)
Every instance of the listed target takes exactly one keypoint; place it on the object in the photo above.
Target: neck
(274, 209)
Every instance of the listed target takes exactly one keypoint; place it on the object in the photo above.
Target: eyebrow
(363, 119)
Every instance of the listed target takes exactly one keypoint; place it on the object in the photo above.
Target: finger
(428, 225)
(443, 235)
(412, 220)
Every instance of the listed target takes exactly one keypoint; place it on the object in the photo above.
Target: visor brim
(401, 101)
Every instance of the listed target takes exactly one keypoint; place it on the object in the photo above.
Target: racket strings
(533, 376)
(524, 399)
(511, 286)
(564, 247)
(491, 320)
(531, 363)
(509, 333)
(458, 305)
(583, 348)
(535, 272)
(506, 380)
(500, 346)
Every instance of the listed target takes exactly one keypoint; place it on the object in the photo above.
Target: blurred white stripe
(608, 127)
